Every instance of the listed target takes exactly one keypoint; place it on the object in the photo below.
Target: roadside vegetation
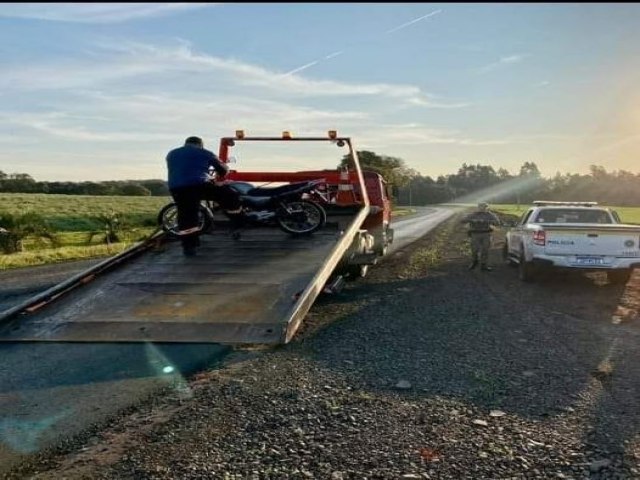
(36, 229)
(627, 214)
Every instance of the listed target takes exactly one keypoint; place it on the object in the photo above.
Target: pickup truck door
(516, 234)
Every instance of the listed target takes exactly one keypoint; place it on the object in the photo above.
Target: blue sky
(103, 91)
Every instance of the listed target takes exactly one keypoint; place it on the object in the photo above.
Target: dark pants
(480, 245)
(188, 200)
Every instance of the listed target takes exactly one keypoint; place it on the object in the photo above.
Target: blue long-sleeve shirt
(189, 165)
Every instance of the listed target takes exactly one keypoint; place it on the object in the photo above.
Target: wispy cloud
(508, 60)
(332, 55)
(411, 22)
(156, 118)
(115, 61)
(544, 83)
(414, 134)
(93, 12)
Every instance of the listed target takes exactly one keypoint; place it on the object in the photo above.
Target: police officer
(480, 223)
(189, 183)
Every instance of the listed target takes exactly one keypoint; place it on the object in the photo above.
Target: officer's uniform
(480, 233)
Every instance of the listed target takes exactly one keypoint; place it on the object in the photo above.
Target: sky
(104, 91)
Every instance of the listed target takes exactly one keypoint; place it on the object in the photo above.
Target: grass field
(72, 218)
(627, 214)
(73, 213)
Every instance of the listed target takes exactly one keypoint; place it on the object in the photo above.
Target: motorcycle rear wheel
(168, 219)
(305, 217)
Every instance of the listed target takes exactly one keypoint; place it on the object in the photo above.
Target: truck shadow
(565, 346)
(57, 364)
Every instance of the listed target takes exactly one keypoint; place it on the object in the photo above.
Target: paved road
(53, 390)
(410, 228)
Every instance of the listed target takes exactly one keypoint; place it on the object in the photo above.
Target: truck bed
(254, 290)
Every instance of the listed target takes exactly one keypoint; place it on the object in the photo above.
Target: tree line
(25, 183)
(470, 183)
(483, 182)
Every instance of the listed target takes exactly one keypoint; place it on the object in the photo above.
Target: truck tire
(505, 255)
(526, 270)
(619, 277)
(356, 271)
(382, 244)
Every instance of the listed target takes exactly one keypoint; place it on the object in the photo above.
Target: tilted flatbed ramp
(255, 290)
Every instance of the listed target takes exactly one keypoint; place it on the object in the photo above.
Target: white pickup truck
(576, 235)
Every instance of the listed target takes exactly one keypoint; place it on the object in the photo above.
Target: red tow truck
(255, 290)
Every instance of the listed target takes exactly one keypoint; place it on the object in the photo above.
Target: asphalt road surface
(50, 391)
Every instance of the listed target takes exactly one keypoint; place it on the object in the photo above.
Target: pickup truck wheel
(619, 277)
(526, 270)
(505, 255)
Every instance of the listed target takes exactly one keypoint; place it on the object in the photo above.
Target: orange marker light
(286, 135)
(239, 133)
(333, 134)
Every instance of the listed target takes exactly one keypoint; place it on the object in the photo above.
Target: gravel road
(421, 370)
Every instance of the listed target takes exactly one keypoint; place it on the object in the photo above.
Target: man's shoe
(473, 265)
(486, 268)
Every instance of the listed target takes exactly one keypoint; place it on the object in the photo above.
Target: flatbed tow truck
(254, 290)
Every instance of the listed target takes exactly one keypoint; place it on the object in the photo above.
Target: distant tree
(158, 188)
(393, 169)
(529, 168)
(134, 189)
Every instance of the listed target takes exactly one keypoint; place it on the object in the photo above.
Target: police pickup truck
(574, 235)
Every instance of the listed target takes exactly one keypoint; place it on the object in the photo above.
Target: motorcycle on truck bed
(257, 289)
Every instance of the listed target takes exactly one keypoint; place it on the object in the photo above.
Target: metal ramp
(255, 290)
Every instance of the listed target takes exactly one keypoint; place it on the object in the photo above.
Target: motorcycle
(288, 207)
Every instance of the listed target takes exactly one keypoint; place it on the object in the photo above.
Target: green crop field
(72, 218)
(71, 213)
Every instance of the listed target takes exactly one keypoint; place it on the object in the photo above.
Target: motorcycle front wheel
(302, 218)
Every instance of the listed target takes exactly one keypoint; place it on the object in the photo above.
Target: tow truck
(256, 290)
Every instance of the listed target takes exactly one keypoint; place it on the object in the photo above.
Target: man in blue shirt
(189, 183)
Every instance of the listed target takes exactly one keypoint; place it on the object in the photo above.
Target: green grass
(72, 217)
(53, 255)
(627, 214)
(72, 213)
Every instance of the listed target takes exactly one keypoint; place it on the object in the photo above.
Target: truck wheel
(356, 271)
(526, 270)
(505, 255)
(619, 277)
(382, 245)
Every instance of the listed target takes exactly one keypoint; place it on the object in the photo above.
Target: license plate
(589, 261)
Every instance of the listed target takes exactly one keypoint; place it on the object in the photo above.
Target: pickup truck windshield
(568, 215)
